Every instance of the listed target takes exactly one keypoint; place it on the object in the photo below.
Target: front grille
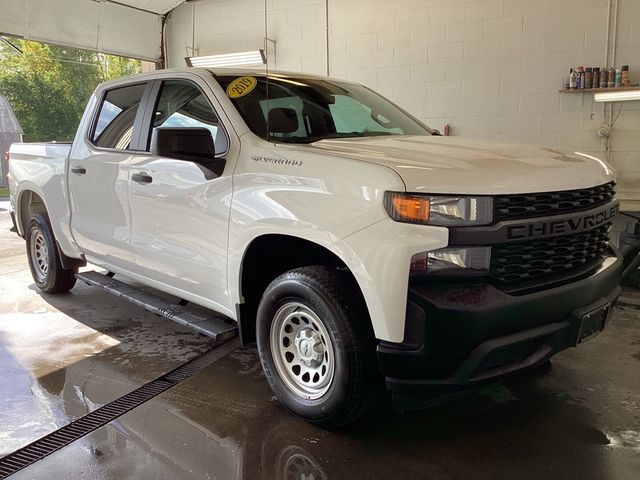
(531, 205)
(519, 262)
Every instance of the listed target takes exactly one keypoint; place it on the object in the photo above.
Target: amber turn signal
(404, 207)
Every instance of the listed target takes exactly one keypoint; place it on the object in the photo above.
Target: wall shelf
(600, 90)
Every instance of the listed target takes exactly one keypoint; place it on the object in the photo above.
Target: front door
(99, 178)
(180, 208)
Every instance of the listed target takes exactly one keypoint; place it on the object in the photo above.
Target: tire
(44, 258)
(317, 347)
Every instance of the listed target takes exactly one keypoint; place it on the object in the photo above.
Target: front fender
(338, 204)
(379, 258)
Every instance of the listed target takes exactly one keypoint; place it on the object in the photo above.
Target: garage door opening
(48, 86)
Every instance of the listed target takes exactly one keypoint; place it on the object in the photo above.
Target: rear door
(180, 208)
(98, 176)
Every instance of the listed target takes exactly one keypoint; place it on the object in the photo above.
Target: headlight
(452, 261)
(439, 210)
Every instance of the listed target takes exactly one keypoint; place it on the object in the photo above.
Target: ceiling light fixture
(228, 59)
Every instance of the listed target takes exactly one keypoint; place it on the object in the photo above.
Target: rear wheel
(44, 259)
(317, 347)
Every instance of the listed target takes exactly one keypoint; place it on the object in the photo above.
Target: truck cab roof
(229, 71)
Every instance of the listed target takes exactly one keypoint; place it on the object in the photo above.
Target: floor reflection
(224, 423)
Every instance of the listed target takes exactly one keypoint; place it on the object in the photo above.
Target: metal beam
(108, 26)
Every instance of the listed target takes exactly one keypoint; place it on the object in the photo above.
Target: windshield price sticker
(241, 87)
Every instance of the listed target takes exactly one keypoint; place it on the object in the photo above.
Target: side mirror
(194, 144)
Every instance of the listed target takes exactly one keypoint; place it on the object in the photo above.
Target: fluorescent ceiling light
(228, 59)
(617, 96)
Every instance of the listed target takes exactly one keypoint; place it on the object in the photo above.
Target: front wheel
(44, 259)
(317, 347)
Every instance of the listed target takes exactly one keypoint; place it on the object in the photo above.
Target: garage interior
(488, 69)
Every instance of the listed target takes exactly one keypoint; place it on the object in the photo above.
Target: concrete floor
(62, 356)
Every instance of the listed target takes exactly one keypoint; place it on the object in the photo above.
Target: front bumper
(461, 335)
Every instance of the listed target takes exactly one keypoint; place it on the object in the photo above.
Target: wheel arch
(30, 201)
(258, 269)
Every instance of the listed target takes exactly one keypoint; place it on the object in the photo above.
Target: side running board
(210, 324)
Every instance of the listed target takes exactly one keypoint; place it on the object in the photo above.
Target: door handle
(79, 170)
(141, 178)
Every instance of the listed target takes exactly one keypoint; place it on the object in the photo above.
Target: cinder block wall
(488, 68)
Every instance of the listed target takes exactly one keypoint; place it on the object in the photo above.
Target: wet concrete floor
(62, 356)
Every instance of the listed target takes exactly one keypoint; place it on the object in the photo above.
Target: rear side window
(114, 126)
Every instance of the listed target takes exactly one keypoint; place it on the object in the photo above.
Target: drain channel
(62, 437)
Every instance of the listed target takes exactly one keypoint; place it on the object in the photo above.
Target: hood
(434, 164)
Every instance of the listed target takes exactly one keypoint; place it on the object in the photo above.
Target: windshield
(304, 110)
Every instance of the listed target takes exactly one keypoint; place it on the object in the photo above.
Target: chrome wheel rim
(302, 351)
(39, 255)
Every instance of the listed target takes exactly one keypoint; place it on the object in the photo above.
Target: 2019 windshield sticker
(276, 161)
(241, 86)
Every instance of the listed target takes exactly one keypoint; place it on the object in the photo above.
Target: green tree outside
(48, 86)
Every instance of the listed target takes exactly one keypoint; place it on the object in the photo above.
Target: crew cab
(353, 243)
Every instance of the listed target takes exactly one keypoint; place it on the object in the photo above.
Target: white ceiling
(132, 28)
(156, 6)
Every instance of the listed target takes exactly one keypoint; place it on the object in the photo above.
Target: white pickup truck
(349, 240)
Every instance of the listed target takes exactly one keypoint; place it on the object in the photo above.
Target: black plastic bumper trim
(465, 377)
(410, 394)
(467, 325)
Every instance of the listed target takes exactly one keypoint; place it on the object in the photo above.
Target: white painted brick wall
(469, 30)
(489, 68)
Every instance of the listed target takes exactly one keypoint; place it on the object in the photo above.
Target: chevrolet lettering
(562, 227)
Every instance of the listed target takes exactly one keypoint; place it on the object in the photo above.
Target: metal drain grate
(62, 437)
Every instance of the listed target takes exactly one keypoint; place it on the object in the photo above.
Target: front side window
(304, 110)
(183, 105)
(114, 126)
